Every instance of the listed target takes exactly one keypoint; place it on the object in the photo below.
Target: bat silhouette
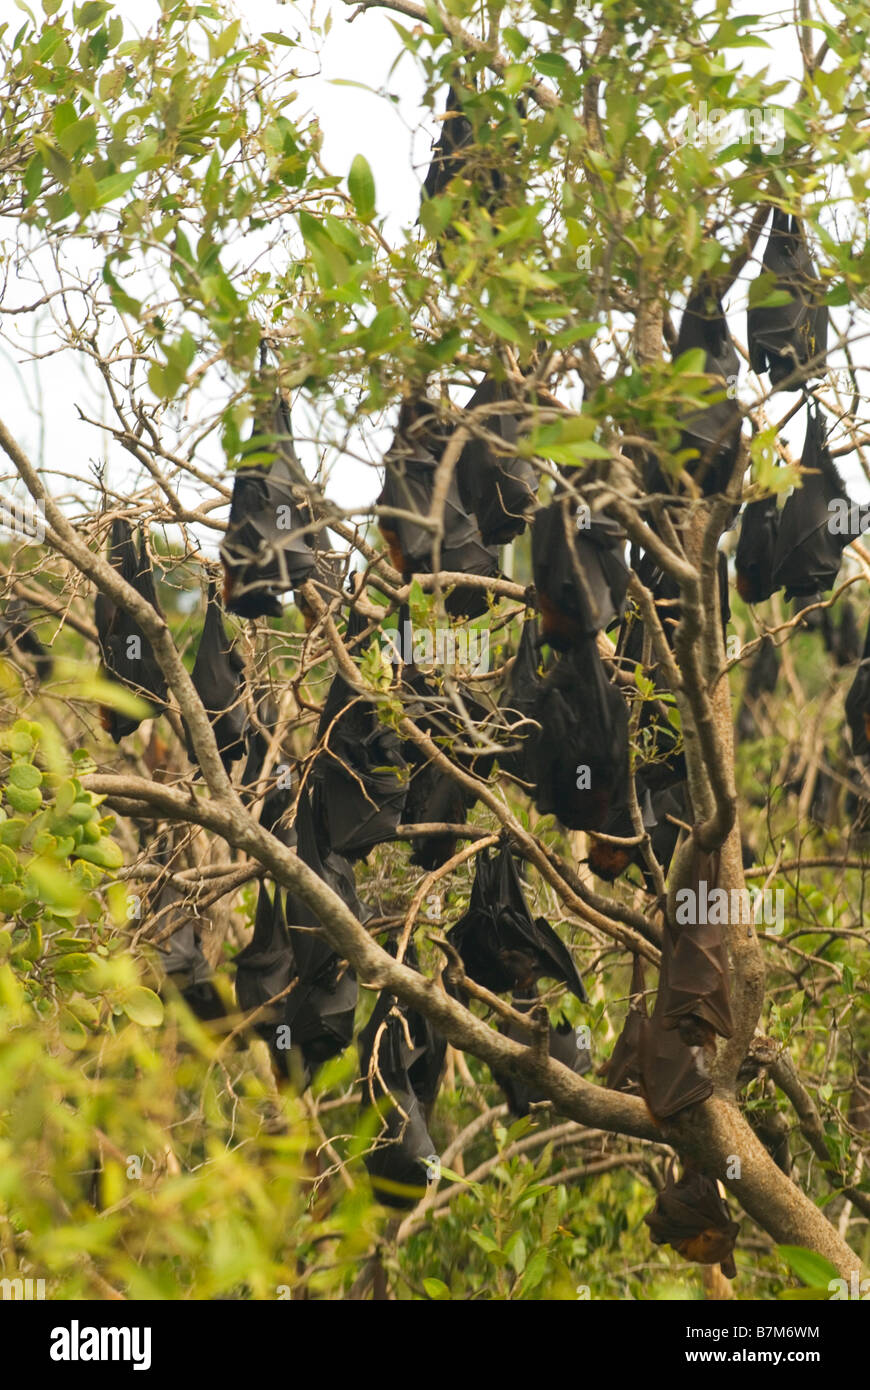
(265, 967)
(219, 680)
(755, 550)
(694, 996)
(713, 432)
(784, 338)
(582, 753)
(807, 552)
(671, 1075)
(401, 1060)
(276, 791)
(691, 1216)
(519, 706)
(563, 1047)
(842, 639)
(761, 680)
(665, 592)
(858, 704)
(17, 632)
(623, 1070)
(498, 487)
(502, 946)
(453, 159)
(181, 960)
(409, 478)
(609, 860)
(320, 1009)
(128, 657)
(268, 548)
(580, 573)
(360, 776)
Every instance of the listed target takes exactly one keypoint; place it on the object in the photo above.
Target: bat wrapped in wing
(755, 550)
(269, 544)
(583, 749)
(181, 960)
(410, 466)
(457, 157)
(128, 657)
(714, 432)
(858, 704)
(789, 340)
(265, 967)
(691, 1216)
(401, 1060)
(219, 680)
(579, 571)
(276, 790)
(809, 547)
(496, 484)
(503, 948)
(564, 1046)
(519, 705)
(623, 1070)
(694, 995)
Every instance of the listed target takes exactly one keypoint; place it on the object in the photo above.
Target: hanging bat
(583, 752)
(609, 860)
(580, 574)
(499, 488)
(269, 544)
(181, 960)
(564, 1047)
(808, 552)
(691, 1216)
(453, 159)
(409, 478)
(219, 680)
(265, 967)
(519, 706)
(755, 550)
(18, 633)
(320, 1009)
(761, 680)
(789, 340)
(399, 1161)
(714, 432)
(502, 947)
(671, 1073)
(360, 776)
(277, 791)
(843, 640)
(858, 704)
(128, 656)
(623, 1070)
(693, 993)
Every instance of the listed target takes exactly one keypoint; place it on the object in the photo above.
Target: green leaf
(143, 1006)
(271, 36)
(115, 186)
(812, 1269)
(361, 183)
(437, 1290)
(25, 775)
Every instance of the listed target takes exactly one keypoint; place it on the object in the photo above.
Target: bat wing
(807, 553)
(858, 705)
(755, 550)
(670, 1077)
(695, 979)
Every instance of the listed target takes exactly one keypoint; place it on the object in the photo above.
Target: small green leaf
(361, 183)
(437, 1290)
(812, 1269)
(143, 1006)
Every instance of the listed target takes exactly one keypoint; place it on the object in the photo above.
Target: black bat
(755, 550)
(320, 1009)
(498, 486)
(276, 792)
(808, 551)
(671, 1075)
(128, 656)
(452, 159)
(609, 860)
(666, 594)
(691, 1216)
(694, 995)
(623, 1070)
(843, 639)
(789, 340)
(714, 432)
(181, 961)
(858, 704)
(580, 572)
(265, 967)
(564, 1047)
(269, 544)
(583, 752)
(519, 705)
(502, 946)
(409, 477)
(18, 633)
(393, 1072)
(760, 680)
(360, 776)
(219, 679)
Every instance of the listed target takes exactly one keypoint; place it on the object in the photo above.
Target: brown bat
(691, 1216)
(623, 1071)
(693, 989)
